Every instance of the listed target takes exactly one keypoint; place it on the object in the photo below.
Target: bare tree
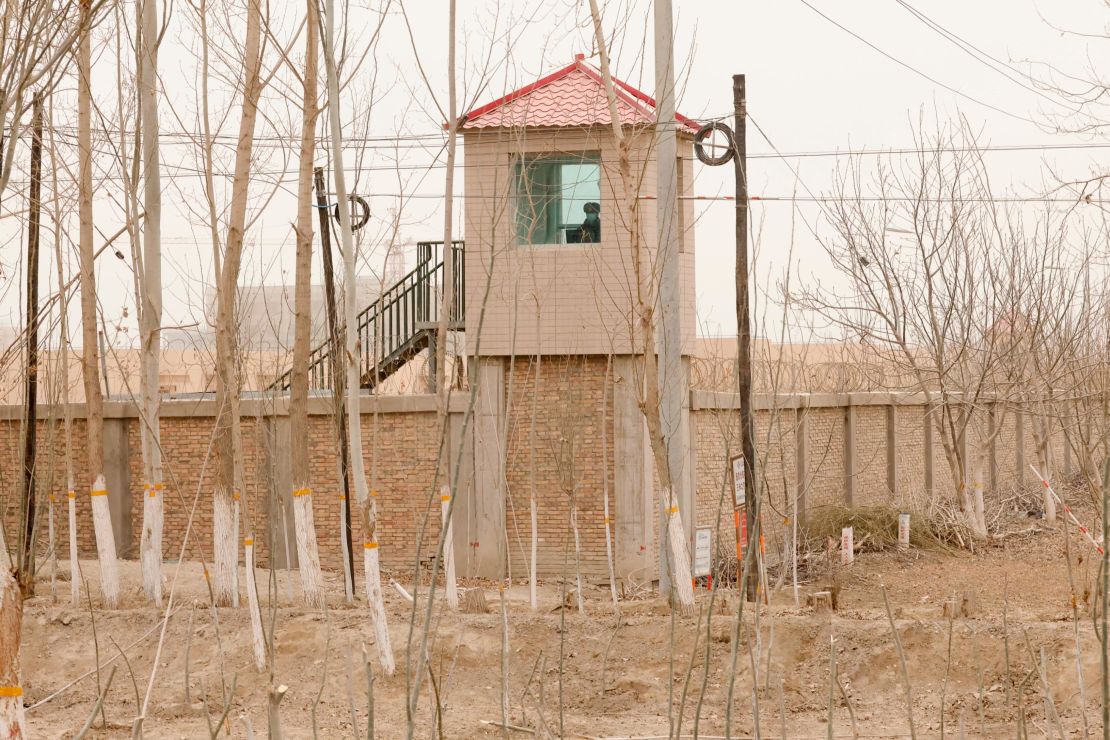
(227, 444)
(932, 277)
(366, 504)
(94, 399)
(150, 313)
(308, 558)
(643, 310)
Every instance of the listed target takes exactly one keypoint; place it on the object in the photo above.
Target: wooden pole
(743, 324)
(31, 379)
(338, 386)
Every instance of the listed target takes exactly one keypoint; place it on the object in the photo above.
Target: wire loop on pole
(362, 206)
(704, 133)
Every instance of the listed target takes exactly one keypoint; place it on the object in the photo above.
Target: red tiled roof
(571, 96)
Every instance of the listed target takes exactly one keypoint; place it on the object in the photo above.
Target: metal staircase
(397, 326)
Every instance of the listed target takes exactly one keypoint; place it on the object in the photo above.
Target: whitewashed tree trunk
(225, 561)
(150, 550)
(94, 400)
(308, 556)
(354, 411)
(105, 543)
(577, 559)
(150, 317)
(225, 524)
(452, 589)
(680, 556)
(12, 723)
(533, 517)
(74, 566)
(372, 571)
(258, 637)
(52, 542)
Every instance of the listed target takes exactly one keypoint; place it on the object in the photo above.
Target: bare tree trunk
(64, 348)
(533, 509)
(354, 418)
(448, 299)
(644, 315)
(225, 535)
(94, 401)
(451, 589)
(150, 317)
(11, 622)
(258, 637)
(1042, 439)
(308, 558)
(605, 480)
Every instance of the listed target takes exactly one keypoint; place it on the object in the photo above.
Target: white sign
(847, 546)
(903, 531)
(738, 479)
(703, 551)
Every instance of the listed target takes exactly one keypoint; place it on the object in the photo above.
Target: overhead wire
(989, 61)
(915, 70)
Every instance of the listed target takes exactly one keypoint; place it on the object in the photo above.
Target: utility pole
(27, 533)
(338, 385)
(674, 397)
(744, 331)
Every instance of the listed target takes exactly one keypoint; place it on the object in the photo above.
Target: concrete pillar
(1068, 470)
(892, 449)
(632, 476)
(485, 510)
(992, 432)
(929, 451)
(1019, 448)
(117, 476)
(279, 494)
(464, 547)
(801, 458)
(849, 454)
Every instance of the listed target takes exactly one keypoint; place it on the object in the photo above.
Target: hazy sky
(812, 87)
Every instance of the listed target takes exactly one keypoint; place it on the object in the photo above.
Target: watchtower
(551, 285)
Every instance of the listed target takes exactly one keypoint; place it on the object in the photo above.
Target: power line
(917, 71)
(987, 60)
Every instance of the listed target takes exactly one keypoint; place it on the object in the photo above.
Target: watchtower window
(558, 199)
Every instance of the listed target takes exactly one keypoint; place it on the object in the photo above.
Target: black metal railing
(396, 325)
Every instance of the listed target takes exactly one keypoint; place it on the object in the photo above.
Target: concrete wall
(855, 449)
(564, 428)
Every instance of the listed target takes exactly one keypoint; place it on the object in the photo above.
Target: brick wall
(573, 416)
(569, 454)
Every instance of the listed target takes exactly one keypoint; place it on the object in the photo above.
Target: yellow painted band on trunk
(444, 498)
(98, 492)
(11, 691)
(235, 495)
(71, 494)
(303, 492)
(672, 510)
(370, 546)
(152, 493)
(157, 486)
(373, 494)
(247, 542)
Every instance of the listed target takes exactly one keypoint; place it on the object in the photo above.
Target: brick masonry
(830, 448)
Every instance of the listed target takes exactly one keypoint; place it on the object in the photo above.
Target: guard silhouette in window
(590, 230)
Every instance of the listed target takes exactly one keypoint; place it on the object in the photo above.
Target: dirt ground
(615, 675)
